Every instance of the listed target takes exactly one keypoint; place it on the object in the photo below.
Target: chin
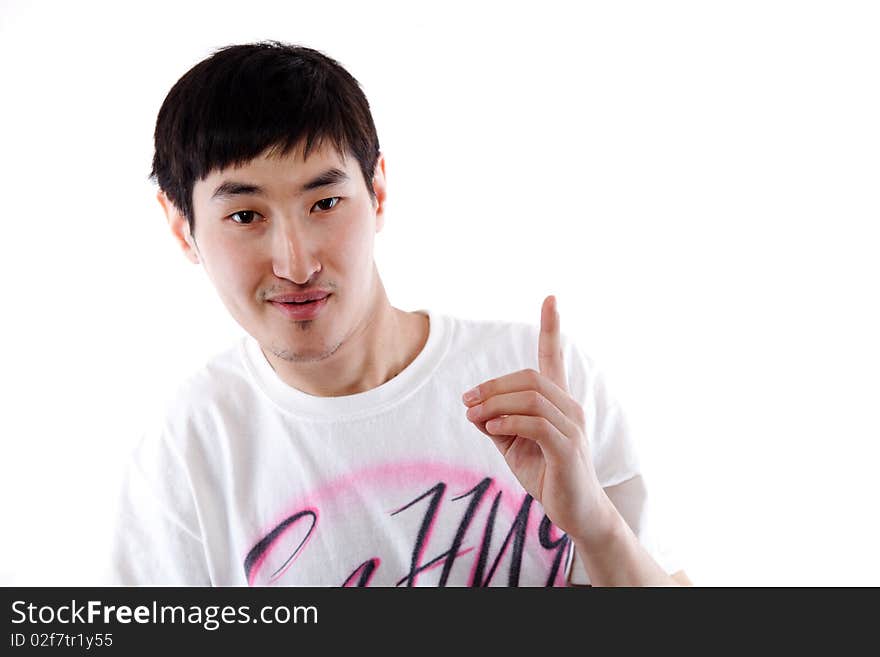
(300, 352)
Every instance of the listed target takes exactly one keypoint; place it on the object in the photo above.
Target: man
(344, 441)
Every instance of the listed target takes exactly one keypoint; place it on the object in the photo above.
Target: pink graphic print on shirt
(436, 526)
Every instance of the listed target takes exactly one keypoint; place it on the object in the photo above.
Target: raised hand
(541, 432)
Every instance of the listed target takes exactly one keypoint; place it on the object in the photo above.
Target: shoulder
(199, 403)
(517, 342)
(471, 335)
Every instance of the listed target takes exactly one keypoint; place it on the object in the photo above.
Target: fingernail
(471, 395)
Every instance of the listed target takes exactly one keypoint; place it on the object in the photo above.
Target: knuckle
(527, 374)
(535, 401)
(546, 428)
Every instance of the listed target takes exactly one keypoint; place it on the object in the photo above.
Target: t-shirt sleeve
(157, 538)
(615, 459)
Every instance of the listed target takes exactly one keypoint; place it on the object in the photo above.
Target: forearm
(619, 559)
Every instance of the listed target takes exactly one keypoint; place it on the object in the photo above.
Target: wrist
(605, 530)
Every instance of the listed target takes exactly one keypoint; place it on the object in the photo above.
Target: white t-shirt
(246, 480)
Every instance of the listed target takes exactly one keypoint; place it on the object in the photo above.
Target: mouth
(307, 309)
(301, 303)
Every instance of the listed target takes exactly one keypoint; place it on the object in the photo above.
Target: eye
(327, 203)
(246, 217)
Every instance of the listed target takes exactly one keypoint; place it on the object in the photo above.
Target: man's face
(282, 226)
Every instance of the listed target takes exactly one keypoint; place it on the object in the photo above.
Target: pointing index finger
(550, 360)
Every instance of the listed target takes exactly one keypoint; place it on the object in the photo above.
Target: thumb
(550, 361)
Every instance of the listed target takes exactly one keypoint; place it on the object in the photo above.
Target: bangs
(245, 101)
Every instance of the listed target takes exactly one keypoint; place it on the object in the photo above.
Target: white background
(697, 182)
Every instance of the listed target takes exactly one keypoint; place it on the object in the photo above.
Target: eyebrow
(231, 188)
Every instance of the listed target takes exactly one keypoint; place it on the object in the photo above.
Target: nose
(292, 254)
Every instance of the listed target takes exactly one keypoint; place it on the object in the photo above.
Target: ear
(380, 191)
(179, 227)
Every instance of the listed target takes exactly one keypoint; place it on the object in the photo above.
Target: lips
(306, 309)
(299, 303)
(301, 297)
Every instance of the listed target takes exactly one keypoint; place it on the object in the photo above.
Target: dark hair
(244, 99)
